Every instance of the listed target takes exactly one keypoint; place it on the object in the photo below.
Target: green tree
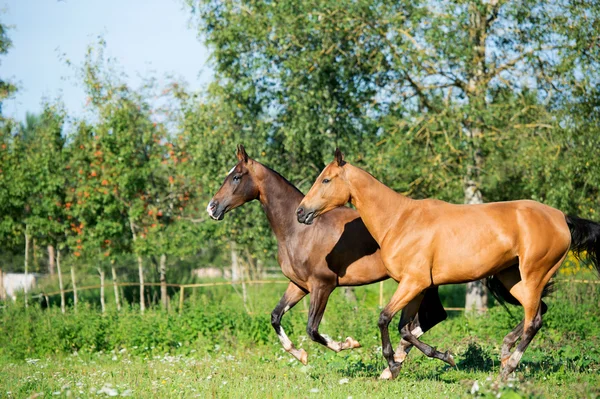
(7, 88)
(453, 100)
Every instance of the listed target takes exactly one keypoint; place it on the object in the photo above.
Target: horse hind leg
(512, 337)
(431, 312)
(408, 331)
(530, 328)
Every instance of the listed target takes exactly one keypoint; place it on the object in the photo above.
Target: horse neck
(279, 199)
(378, 205)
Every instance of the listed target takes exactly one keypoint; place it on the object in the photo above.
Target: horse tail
(503, 295)
(585, 237)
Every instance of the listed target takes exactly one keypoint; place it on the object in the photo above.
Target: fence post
(181, 292)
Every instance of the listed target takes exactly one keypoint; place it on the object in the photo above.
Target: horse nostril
(212, 205)
(300, 211)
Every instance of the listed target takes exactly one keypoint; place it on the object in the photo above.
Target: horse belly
(366, 270)
(463, 264)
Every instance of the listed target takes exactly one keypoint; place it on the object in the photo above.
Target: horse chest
(288, 270)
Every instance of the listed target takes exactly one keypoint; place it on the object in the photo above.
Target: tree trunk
(60, 280)
(26, 264)
(163, 282)
(349, 294)
(115, 286)
(476, 297)
(140, 269)
(235, 263)
(102, 303)
(73, 283)
(2, 291)
(141, 277)
(51, 257)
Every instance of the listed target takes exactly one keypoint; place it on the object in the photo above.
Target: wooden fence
(182, 288)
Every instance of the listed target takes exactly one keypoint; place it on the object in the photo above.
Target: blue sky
(146, 37)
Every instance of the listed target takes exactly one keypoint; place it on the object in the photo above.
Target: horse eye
(237, 178)
(325, 181)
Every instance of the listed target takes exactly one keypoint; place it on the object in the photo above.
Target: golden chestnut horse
(426, 243)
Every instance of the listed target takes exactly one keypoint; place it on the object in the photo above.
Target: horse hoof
(386, 375)
(351, 343)
(303, 357)
(390, 373)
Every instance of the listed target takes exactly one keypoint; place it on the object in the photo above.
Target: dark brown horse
(426, 243)
(337, 251)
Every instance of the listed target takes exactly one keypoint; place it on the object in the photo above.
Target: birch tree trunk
(140, 269)
(60, 280)
(74, 284)
(2, 291)
(235, 263)
(163, 282)
(51, 258)
(115, 286)
(476, 297)
(25, 288)
(102, 302)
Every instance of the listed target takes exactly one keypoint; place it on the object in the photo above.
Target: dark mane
(283, 178)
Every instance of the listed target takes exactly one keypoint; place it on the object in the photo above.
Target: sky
(147, 38)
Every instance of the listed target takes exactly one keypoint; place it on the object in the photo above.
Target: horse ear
(339, 157)
(241, 153)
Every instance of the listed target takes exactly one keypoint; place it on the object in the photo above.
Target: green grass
(215, 349)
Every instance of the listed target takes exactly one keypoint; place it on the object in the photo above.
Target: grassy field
(215, 349)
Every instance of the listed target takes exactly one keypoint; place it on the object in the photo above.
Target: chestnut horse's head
(238, 188)
(331, 190)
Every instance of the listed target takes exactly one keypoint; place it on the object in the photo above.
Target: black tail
(503, 295)
(585, 236)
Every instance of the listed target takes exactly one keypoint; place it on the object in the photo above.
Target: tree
(6, 87)
(437, 99)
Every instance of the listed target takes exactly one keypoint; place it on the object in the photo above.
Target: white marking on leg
(331, 344)
(299, 354)
(515, 358)
(286, 308)
(285, 341)
(417, 332)
(404, 346)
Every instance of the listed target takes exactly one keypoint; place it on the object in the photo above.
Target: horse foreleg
(405, 293)
(318, 301)
(293, 294)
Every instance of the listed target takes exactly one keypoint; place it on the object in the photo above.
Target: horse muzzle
(304, 216)
(215, 211)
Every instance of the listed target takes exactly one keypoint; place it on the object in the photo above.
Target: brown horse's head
(238, 188)
(330, 191)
